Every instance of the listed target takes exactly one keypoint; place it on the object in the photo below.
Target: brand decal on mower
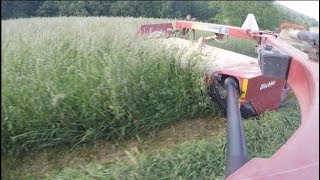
(221, 30)
(264, 86)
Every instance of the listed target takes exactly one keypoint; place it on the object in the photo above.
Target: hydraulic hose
(237, 154)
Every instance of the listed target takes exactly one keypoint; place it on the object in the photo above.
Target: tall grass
(67, 81)
(204, 159)
(73, 80)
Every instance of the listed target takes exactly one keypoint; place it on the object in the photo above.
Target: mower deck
(253, 87)
(258, 85)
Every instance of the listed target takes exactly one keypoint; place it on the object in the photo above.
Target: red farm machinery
(244, 87)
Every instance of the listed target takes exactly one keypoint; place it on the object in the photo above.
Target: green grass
(73, 80)
(237, 45)
(204, 159)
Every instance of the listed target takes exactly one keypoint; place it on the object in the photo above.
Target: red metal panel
(232, 31)
(268, 98)
(261, 97)
(240, 33)
(183, 24)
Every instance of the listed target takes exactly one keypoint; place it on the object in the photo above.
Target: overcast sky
(309, 8)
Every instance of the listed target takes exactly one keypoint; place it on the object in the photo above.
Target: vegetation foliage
(67, 81)
(204, 159)
(268, 13)
(72, 80)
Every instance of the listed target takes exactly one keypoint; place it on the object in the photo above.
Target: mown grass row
(204, 159)
(67, 81)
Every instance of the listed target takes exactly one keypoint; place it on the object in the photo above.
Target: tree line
(268, 13)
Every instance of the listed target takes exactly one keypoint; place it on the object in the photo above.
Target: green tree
(16, 9)
(125, 8)
(99, 8)
(78, 8)
(268, 13)
(48, 8)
